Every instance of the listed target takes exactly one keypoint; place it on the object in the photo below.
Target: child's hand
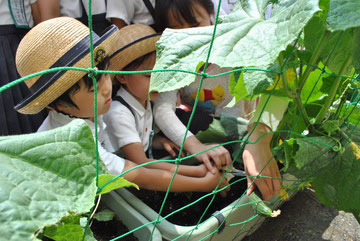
(256, 156)
(201, 170)
(161, 142)
(220, 156)
(212, 181)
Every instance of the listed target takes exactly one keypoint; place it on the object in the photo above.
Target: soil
(107, 230)
(190, 215)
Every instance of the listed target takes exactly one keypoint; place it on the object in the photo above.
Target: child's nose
(106, 85)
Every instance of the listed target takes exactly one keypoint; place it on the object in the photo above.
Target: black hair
(65, 97)
(180, 9)
(130, 67)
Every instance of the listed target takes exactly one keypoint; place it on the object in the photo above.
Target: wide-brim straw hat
(135, 40)
(58, 42)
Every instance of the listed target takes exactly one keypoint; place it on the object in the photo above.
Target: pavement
(304, 217)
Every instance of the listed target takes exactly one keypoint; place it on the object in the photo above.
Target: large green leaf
(334, 174)
(44, 176)
(343, 14)
(337, 184)
(244, 38)
(301, 157)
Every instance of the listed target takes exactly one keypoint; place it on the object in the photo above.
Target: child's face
(202, 17)
(84, 99)
(138, 84)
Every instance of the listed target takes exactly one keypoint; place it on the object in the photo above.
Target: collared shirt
(124, 127)
(133, 11)
(113, 163)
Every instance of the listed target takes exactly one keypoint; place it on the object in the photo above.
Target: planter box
(131, 218)
(238, 224)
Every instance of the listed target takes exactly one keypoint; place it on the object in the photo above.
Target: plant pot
(240, 219)
(131, 218)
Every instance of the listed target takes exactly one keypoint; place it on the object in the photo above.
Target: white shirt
(72, 8)
(113, 163)
(216, 97)
(5, 15)
(123, 127)
(131, 11)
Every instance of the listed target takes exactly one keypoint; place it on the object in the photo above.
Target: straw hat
(57, 42)
(135, 40)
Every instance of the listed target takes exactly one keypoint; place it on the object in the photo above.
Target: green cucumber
(260, 207)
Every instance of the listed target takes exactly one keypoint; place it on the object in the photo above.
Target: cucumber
(260, 207)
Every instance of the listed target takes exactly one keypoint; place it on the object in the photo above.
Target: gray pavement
(305, 218)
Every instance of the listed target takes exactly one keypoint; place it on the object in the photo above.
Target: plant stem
(302, 110)
(332, 92)
(314, 58)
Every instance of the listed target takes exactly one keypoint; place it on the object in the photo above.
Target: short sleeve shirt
(131, 11)
(125, 127)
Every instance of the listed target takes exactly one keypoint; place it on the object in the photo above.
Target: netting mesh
(346, 106)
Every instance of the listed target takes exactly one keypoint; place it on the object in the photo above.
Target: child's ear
(121, 78)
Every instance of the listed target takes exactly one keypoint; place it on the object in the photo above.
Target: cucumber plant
(307, 53)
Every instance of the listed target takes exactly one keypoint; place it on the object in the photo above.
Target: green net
(310, 59)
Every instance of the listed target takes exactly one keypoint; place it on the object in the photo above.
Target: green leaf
(44, 176)
(306, 157)
(343, 15)
(68, 229)
(104, 215)
(214, 134)
(336, 185)
(244, 38)
(317, 85)
(115, 184)
(331, 126)
(324, 5)
(237, 87)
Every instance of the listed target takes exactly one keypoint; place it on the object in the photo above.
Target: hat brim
(132, 51)
(61, 81)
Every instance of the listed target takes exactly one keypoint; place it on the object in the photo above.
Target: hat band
(77, 52)
(132, 43)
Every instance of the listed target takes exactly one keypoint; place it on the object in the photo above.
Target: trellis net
(309, 57)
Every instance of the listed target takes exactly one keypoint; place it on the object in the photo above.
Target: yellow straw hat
(135, 40)
(58, 42)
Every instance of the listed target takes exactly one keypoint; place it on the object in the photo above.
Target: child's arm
(135, 152)
(161, 142)
(159, 180)
(174, 129)
(256, 157)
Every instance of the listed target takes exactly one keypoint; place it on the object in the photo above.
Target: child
(69, 94)
(183, 14)
(130, 121)
(193, 13)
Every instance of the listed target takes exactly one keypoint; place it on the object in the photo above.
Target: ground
(305, 218)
